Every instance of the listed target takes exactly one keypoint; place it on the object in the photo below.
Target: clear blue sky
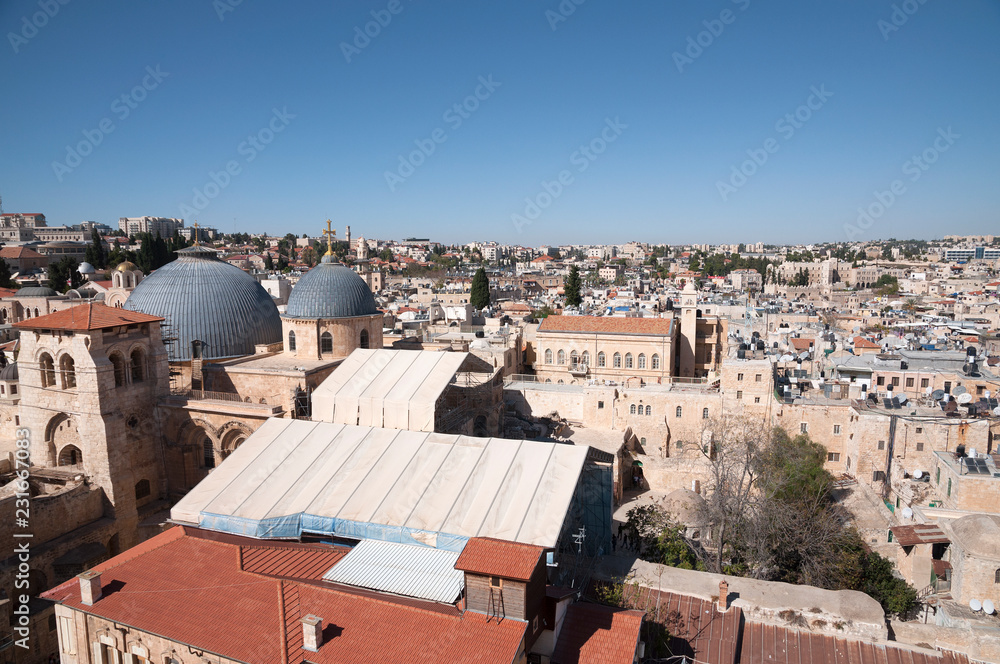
(658, 181)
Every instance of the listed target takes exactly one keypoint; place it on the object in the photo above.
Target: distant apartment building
(745, 280)
(201, 234)
(972, 253)
(819, 273)
(20, 226)
(602, 253)
(610, 272)
(164, 226)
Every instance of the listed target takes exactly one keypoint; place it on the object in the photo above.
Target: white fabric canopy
(396, 389)
(395, 485)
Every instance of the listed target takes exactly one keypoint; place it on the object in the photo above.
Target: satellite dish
(959, 390)
(964, 398)
(902, 398)
(937, 395)
(996, 411)
(988, 607)
(907, 513)
(917, 474)
(975, 605)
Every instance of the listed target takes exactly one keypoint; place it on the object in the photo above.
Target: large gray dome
(203, 298)
(35, 291)
(330, 290)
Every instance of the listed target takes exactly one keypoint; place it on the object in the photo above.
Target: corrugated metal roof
(209, 300)
(401, 569)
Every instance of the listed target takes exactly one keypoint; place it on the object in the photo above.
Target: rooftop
(607, 325)
(87, 317)
(487, 556)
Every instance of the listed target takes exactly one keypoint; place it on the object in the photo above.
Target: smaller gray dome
(35, 291)
(9, 373)
(330, 290)
(86, 268)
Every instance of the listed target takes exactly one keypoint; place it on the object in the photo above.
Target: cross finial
(330, 236)
(196, 242)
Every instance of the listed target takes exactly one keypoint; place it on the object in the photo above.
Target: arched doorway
(70, 456)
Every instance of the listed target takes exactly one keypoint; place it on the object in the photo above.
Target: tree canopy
(480, 296)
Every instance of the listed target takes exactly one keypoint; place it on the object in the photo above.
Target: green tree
(572, 288)
(268, 261)
(480, 296)
(386, 255)
(95, 254)
(63, 275)
(5, 280)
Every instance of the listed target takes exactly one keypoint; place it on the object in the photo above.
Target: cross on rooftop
(196, 243)
(329, 242)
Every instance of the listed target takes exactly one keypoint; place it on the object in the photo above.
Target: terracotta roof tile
(83, 317)
(607, 325)
(187, 585)
(495, 557)
(19, 252)
(597, 634)
(296, 561)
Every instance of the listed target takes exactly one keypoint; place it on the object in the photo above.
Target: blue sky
(313, 121)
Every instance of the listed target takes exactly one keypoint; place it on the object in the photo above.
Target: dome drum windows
(291, 342)
(326, 343)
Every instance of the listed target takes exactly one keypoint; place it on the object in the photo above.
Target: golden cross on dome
(329, 242)
(195, 234)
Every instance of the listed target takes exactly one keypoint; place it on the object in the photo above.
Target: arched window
(656, 361)
(70, 456)
(616, 361)
(548, 356)
(326, 343)
(36, 312)
(138, 362)
(642, 361)
(209, 451)
(704, 413)
(561, 357)
(585, 358)
(48, 370)
(649, 410)
(628, 360)
(574, 359)
(291, 341)
(678, 411)
(142, 489)
(996, 577)
(364, 339)
(631, 409)
(601, 359)
(67, 367)
(119, 364)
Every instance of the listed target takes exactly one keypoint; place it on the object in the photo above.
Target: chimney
(90, 587)
(312, 633)
(723, 595)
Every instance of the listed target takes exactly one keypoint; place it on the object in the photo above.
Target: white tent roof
(396, 389)
(413, 487)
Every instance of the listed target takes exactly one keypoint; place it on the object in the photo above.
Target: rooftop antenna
(578, 537)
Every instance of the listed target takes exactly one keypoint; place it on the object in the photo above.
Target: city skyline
(540, 123)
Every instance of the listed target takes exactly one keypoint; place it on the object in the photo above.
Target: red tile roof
(7, 292)
(186, 585)
(494, 557)
(85, 317)
(803, 344)
(19, 252)
(307, 562)
(597, 634)
(606, 325)
(781, 645)
(861, 342)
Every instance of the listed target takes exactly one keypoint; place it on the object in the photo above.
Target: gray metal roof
(9, 372)
(35, 291)
(203, 298)
(401, 569)
(330, 290)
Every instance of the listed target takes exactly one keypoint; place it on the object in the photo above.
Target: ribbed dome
(35, 291)
(203, 298)
(9, 372)
(330, 290)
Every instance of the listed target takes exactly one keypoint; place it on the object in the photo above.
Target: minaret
(347, 236)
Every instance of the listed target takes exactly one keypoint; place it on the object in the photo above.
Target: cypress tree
(480, 296)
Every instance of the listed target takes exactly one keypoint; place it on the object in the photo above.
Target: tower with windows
(90, 377)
